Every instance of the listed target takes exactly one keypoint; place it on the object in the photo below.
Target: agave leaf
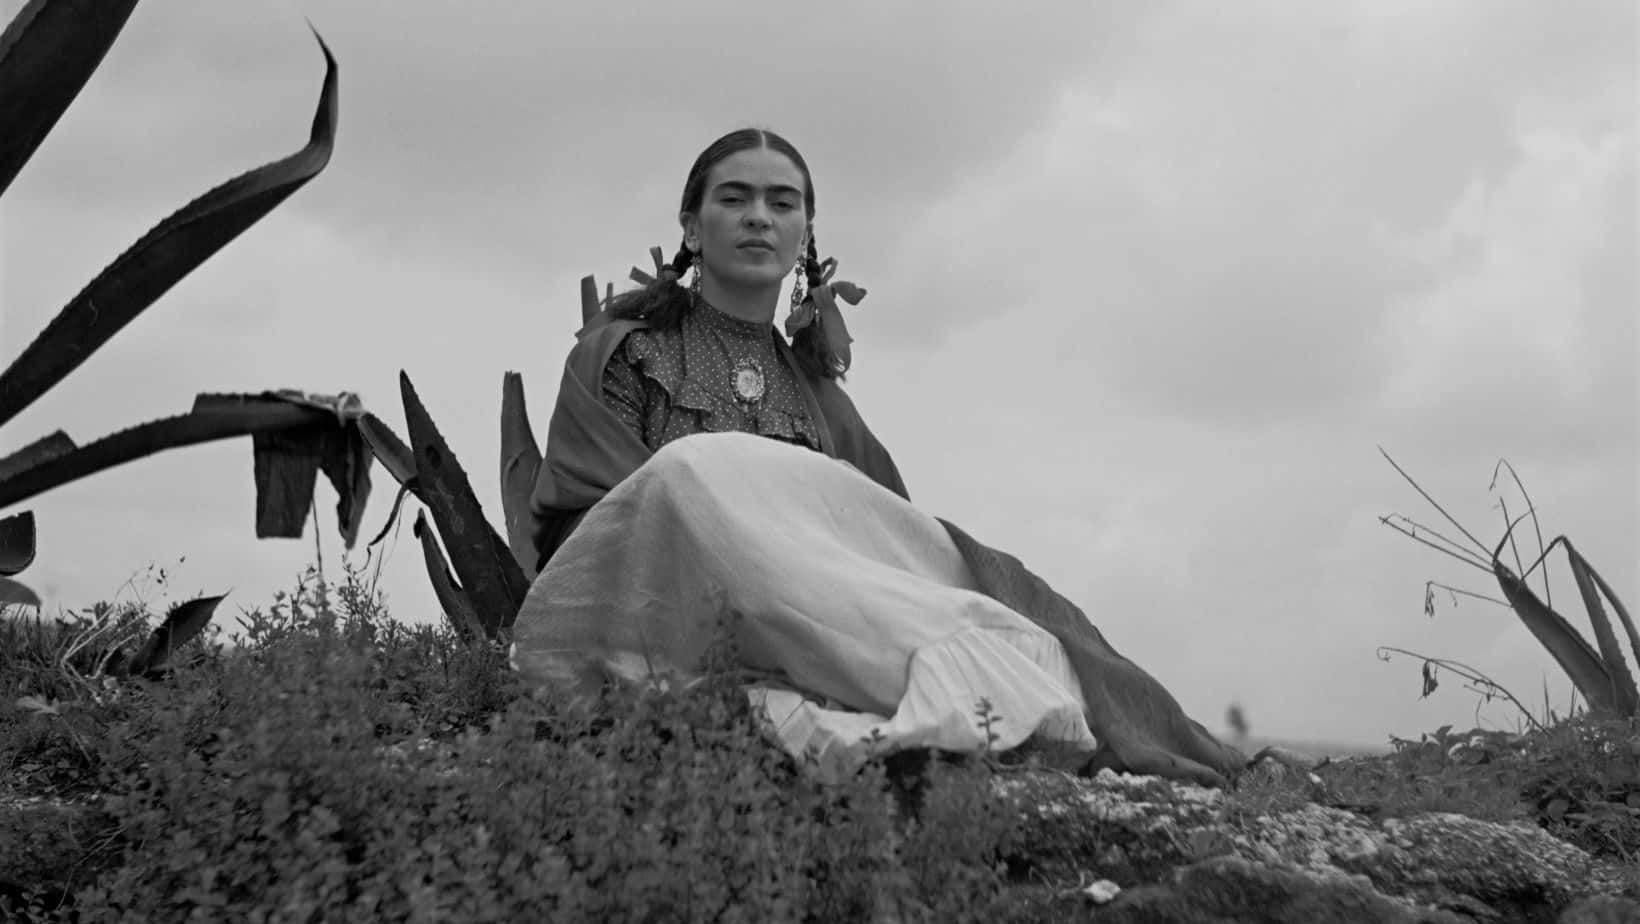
(391, 451)
(41, 450)
(458, 607)
(47, 53)
(520, 458)
(212, 422)
(1622, 611)
(182, 625)
(16, 543)
(589, 299)
(286, 463)
(1569, 649)
(14, 594)
(392, 516)
(480, 557)
(1623, 693)
(162, 257)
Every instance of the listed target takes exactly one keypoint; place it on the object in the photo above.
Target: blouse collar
(718, 320)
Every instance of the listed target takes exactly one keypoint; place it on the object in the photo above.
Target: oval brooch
(748, 381)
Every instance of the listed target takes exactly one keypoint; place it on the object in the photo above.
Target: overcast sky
(1148, 285)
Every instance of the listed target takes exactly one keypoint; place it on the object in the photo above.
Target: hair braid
(682, 260)
(811, 264)
(662, 303)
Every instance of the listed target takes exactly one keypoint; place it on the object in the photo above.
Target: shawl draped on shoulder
(1138, 724)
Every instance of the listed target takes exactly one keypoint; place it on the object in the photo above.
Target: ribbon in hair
(662, 271)
(821, 305)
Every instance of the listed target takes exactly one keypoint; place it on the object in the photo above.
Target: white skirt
(854, 603)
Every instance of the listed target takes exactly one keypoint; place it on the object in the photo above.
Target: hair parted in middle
(664, 303)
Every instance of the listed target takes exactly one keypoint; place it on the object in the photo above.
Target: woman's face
(752, 220)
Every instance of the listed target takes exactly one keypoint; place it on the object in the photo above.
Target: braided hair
(664, 303)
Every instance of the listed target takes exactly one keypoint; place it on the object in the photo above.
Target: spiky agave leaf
(13, 593)
(16, 543)
(1622, 611)
(1625, 698)
(480, 557)
(182, 625)
(212, 422)
(47, 53)
(1569, 649)
(457, 605)
(41, 450)
(389, 450)
(162, 257)
(520, 458)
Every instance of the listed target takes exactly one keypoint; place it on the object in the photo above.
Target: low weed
(327, 763)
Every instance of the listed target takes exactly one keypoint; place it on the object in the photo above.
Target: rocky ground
(1120, 848)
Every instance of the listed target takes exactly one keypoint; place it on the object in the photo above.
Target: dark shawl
(1139, 725)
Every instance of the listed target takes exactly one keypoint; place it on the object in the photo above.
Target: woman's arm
(623, 391)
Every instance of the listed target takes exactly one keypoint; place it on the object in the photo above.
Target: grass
(325, 760)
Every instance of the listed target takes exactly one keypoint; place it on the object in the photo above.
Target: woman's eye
(731, 200)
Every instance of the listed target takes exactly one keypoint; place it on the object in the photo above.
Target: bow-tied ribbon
(821, 305)
(662, 271)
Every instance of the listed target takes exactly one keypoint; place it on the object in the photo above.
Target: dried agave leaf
(47, 53)
(163, 257)
(589, 299)
(287, 461)
(182, 625)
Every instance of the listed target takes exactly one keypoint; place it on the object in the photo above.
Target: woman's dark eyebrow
(738, 186)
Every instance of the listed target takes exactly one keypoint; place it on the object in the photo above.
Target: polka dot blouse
(669, 384)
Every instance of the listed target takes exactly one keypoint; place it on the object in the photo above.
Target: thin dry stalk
(1442, 510)
(1537, 528)
(1460, 592)
(1514, 548)
(1411, 532)
(1475, 681)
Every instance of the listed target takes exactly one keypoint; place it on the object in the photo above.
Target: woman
(878, 626)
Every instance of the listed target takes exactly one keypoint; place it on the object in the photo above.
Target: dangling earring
(694, 281)
(797, 284)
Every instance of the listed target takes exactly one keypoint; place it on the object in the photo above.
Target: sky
(1149, 286)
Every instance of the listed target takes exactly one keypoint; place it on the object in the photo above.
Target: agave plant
(484, 588)
(1599, 672)
(48, 52)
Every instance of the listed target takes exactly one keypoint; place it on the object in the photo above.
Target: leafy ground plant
(1579, 778)
(332, 763)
